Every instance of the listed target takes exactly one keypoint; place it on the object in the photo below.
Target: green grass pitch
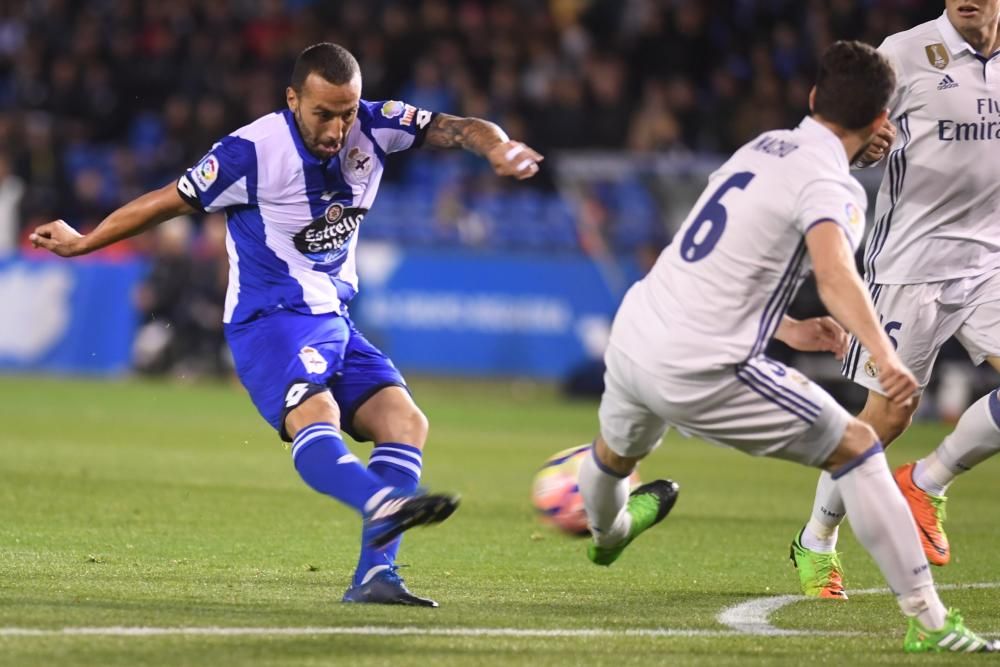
(131, 504)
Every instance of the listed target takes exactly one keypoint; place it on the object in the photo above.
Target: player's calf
(882, 523)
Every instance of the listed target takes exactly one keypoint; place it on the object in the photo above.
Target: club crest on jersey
(871, 370)
(322, 239)
(798, 378)
(312, 360)
(334, 212)
(205, 173)
(937, 55)
(359, 163)
(392, 109)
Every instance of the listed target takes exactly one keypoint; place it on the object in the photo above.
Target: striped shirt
(293, 219)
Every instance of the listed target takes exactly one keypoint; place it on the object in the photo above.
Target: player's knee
(889, 419)
(898, 420)
(414, 426)
(316, 409)
(858, 438)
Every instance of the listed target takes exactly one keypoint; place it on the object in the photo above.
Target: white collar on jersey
(813, 127)
(952, 37)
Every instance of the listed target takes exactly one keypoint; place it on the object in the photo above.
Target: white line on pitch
(753, 617)
(750, 617)
(388, 631)
(384, 631)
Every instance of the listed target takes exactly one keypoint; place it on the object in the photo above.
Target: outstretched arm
(133, 218)
(508, 158)
(844, 295)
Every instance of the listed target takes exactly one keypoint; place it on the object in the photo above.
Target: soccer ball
(556, 494)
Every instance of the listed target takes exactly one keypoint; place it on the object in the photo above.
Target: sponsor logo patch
(296, 391)
(423, 118)
(205, 173)
(322, 240)
(937, 55)
(947, 82)
(392, 109)
(312, 360)
(409, 111)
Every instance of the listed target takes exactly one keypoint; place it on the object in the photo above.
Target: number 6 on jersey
(707, 227)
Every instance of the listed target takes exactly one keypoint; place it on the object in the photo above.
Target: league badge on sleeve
(854, 217)
(206, 172)
(393, 109)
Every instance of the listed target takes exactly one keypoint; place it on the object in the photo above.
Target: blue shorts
(284, 350)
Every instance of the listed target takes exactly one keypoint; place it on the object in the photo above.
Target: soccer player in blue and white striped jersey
(295, 186)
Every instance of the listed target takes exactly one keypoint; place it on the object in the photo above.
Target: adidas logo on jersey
(947, 82)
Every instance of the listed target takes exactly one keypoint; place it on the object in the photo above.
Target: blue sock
(326, 465)
(396, 465)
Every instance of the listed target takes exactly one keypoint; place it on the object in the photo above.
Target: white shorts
(919, 319)
(762, 407)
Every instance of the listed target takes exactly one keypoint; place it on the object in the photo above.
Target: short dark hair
(853, 84)
(331, 61)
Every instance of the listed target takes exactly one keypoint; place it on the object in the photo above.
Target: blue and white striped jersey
(293, 218)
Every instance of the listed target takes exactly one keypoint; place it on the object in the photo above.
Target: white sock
(883, 524)
(605, 496)
(932, 475)
(976, 438)
(820, 533)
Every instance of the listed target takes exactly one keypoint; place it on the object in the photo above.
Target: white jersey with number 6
(718, 292)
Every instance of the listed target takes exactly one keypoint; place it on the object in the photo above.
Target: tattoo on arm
(472, 134)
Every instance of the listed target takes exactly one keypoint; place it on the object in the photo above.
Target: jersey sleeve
(889, 50)
(824, 201)
(397, 126)
(226, 176)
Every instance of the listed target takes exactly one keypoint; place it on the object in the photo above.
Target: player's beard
(307, 138)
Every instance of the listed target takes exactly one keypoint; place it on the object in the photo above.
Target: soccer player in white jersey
(932, 264)
(295, 186)
(687, 345)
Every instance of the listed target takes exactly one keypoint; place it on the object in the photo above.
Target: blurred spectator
(11, 193)
(181, 300)
(100, 101)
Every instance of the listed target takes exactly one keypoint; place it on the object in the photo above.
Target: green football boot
(820, 574)
(954, 637)
(649, 504)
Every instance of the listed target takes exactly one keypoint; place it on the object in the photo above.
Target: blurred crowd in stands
(103, 100)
